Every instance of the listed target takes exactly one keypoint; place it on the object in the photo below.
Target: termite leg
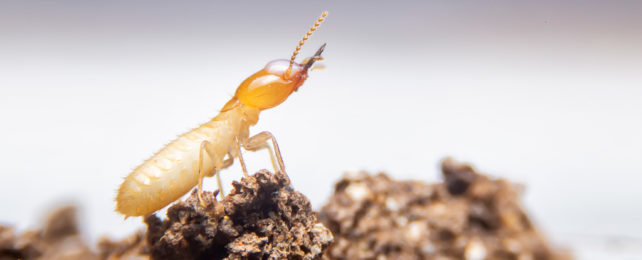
(263, 145)
(259, 141)
(271, 151)
(227, 163)
(241, 160)
(206, 148)
(220, 186)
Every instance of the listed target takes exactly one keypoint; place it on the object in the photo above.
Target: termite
(213, 146)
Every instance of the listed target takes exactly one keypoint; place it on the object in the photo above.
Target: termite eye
(280, 67)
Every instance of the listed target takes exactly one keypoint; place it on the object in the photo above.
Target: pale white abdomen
(173, 171)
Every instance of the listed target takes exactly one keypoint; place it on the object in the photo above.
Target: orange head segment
(273, 84)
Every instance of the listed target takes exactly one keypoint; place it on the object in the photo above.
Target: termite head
(273, 84)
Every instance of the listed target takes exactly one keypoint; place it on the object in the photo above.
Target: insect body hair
(173, 170)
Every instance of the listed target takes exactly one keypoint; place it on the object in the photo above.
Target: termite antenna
(305, 38)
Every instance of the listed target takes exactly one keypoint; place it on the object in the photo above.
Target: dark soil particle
(262, 218)
(469, 216)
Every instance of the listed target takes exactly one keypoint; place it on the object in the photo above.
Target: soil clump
(468, 216)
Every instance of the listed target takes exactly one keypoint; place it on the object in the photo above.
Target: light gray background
(548, 94)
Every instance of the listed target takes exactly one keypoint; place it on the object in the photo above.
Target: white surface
(549, 95)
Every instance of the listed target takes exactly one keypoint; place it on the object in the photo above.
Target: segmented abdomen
(173, 171)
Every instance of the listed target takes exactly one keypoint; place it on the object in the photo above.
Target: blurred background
(543, 93)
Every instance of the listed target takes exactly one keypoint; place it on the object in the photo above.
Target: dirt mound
(58, 239)
(469, 216)
(261, 218)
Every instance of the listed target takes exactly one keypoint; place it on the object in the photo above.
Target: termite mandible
(201, 152)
